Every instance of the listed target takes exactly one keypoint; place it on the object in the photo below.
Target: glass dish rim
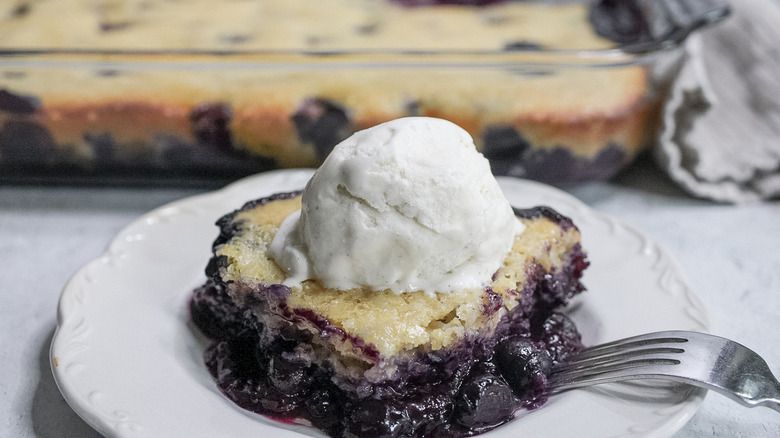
(638, 53)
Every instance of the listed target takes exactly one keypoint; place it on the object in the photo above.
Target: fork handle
(770, 403)
(770, 397)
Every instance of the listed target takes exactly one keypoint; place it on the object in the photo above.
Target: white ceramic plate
(127, 360)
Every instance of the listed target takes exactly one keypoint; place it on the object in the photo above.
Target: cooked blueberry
(290, 376)
(21, 9)
(560, 335)
(26, 143)
(521, 362)
(14, 103)
(503, 143)
(103, 146)
(324, 409)
(215, 314)
(522, 46)
(231, 362)
(109, 25)
(321, 122)
(606, 164)
(503, 146)
(243, 355)
(377, 418)
(621, 21)
(485, 400)
(274, 401)
(552, 165)
(413, 107)
(430, 411)
(175, 152)
(559, 165)
(210, 125)
(216, 262)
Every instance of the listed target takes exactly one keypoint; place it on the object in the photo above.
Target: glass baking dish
(188, 90)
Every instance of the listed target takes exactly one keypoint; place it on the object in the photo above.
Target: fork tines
(603, 361)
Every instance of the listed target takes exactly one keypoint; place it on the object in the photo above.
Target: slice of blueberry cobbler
(357, 364)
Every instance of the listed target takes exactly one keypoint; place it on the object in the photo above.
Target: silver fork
(695, 358)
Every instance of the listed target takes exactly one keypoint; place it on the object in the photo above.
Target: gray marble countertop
(729, 255)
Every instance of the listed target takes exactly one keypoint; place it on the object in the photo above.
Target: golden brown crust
(578, 115)
(583, 109)
(393, 323)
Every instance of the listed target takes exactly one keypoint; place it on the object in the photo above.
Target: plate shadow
(50, 413)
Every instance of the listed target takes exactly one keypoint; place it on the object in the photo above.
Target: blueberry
(503, 141)
(520, 363)
(377, 418)
(17, 104)
(503, 147)
(21, 9)
(111, 26)
(217, 316)
(560, 336)
(324, 409)
(522, 45)
(25, 143)
(210, 124)
(104, 147)
(175, 152)
(429, 412)
(484, 401)
(267, 399)
(321, 122)
(291, 376)
(621, 21)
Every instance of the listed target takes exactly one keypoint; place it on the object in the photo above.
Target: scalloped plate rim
(120, 425)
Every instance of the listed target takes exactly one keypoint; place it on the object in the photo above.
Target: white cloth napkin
(721, 133)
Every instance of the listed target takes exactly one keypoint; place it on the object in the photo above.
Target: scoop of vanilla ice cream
(406, 205)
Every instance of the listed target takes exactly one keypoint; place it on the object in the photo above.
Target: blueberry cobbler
(156, 102)
(398, 295)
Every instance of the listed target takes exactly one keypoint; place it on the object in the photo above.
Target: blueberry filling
(482, 393)
(469, 388)
(510, 153)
